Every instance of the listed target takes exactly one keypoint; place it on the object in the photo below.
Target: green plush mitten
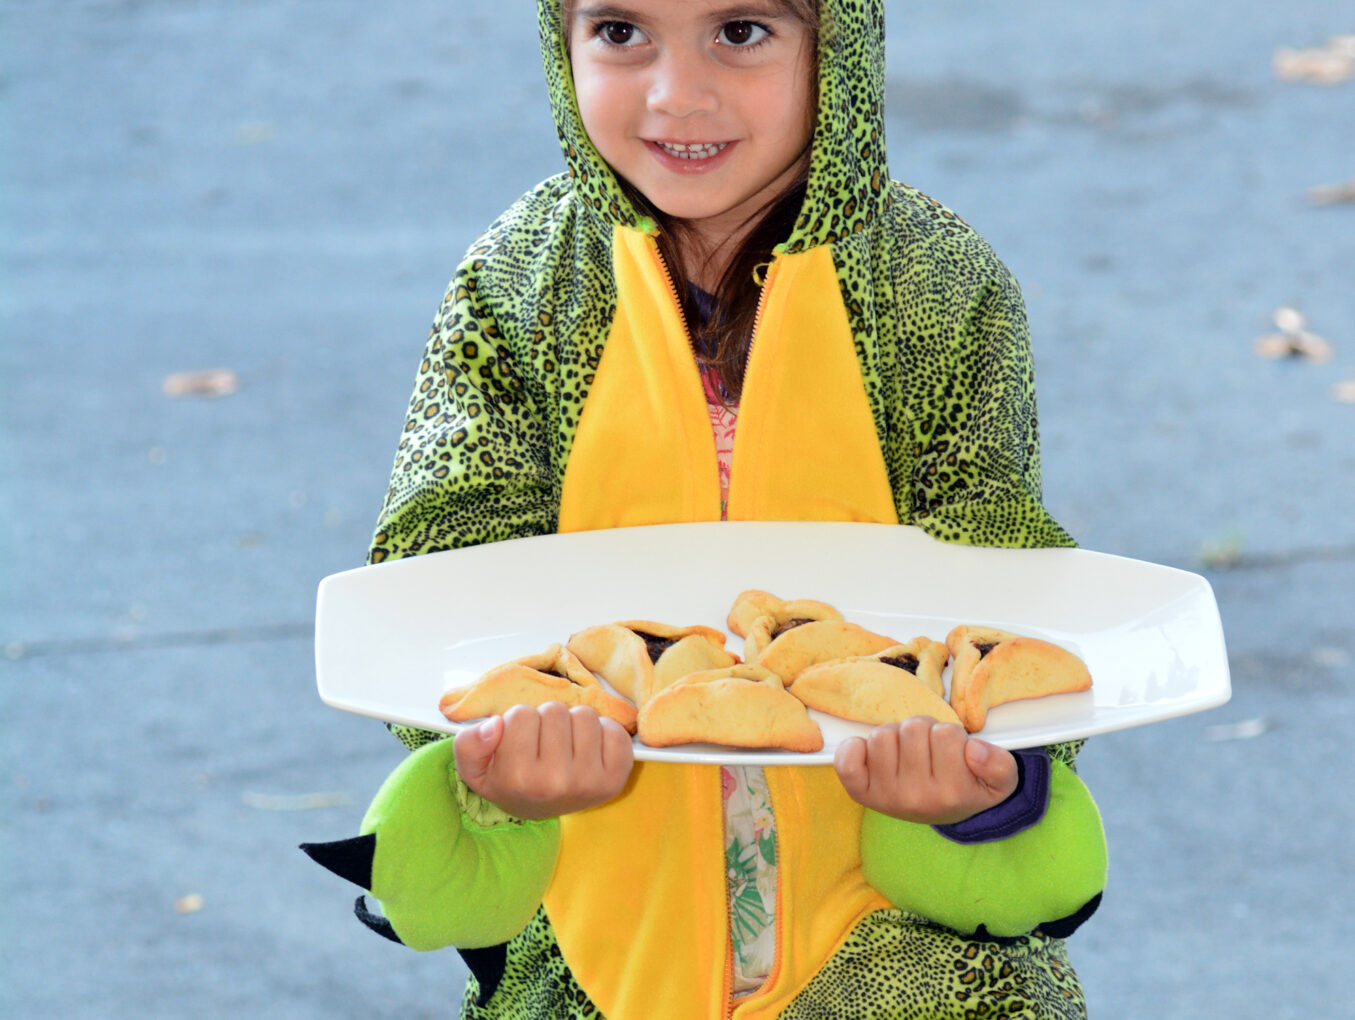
(1046, 875)
(449, 868)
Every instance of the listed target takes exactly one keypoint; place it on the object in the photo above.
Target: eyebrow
(734, 12)
(606, 11)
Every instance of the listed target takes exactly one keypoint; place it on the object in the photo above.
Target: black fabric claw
(347, 858)
(487, 965)
(1065, 926)
(375, 922)
(1060, 929)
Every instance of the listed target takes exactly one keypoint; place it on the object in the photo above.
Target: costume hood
(848, 177)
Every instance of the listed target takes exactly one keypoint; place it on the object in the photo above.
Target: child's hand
(925, 771)
(545, 762)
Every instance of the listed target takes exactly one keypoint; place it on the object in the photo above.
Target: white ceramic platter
(391, 638)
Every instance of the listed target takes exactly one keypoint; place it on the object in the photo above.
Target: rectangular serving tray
(391, 638)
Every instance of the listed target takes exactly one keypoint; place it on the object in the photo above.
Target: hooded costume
(559, 392)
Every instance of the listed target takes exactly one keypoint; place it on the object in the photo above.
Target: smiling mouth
(698, 150)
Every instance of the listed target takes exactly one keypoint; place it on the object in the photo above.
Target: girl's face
(703, 105)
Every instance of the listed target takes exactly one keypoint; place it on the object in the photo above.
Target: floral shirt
(750, 828)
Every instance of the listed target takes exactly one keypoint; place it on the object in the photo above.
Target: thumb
(849, 760)
(474, 748)
(992, 766)
(618, 753)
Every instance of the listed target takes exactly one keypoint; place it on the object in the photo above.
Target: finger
(850, 762)
(474, 747)
(915, 748)
(555, 739)
(992, 766)
(882, 755)
(521, 733)
(618, 753)
(585, 736)
(947, 742)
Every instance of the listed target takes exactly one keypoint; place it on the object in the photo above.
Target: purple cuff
(1019, 812)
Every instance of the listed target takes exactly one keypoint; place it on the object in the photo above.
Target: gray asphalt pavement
(281, 188)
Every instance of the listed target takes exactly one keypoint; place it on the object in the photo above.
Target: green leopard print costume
(508, 368)
(519, 336)
(895, 965)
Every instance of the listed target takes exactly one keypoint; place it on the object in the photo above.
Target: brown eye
(741, 33)
(618, 33)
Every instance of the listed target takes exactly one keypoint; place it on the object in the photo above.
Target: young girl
(726, 309)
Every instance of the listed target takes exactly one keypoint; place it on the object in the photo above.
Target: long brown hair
(728, 332)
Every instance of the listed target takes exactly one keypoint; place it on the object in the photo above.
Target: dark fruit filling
(908, 662)
(789, 625)
(655, 645)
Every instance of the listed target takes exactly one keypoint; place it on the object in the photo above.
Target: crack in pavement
(18, 650)
(1224, 561)
(1221, 562)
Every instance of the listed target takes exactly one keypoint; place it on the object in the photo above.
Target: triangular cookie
(893, 685)
(787, 653)
(994, 666)
(553, 675)
(753, 604)
(641, 657)
(738, 706)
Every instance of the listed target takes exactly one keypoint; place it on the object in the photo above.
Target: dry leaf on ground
(1329, 64)
(1333, 194)
(1293, 340)
(211, 382)
(294, 802)
(189, 904)
(1247, 729)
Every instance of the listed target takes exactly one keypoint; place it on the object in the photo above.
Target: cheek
(600, 106)
(787, 105)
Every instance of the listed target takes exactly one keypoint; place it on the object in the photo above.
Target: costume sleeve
(473, 463)
(976, 476)
(448, 867)
(1048, 875)
(474, 460)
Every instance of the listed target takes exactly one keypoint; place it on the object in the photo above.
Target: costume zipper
(672, 292)
(764, 285)
(768, 270)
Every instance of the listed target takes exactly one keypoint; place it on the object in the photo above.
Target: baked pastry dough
(993, 667)
(869, 691)
(739, 706)
(641, 657)
(753, 604)
(787, 653)
(921, 658)
(553, 675)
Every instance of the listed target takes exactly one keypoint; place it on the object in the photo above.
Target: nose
(682, 85)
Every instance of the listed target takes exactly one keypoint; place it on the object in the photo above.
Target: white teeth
(703, 150)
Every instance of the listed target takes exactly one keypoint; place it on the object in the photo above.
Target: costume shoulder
(924, 236)
(520, 250)
(506, 367)
(956, 369)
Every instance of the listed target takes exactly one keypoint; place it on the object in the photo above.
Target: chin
(690, 207)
